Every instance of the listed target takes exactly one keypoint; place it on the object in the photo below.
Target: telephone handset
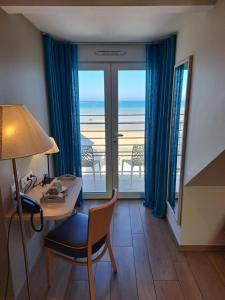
(31, 206)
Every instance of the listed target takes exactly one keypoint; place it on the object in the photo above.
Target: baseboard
(174, 227)
(202, 248)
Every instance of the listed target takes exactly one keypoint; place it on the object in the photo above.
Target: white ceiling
(107, 24)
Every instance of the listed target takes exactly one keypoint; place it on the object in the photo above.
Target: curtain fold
(63, 93)
(178, 81)
(160, 60)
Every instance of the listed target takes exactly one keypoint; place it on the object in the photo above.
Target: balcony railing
(130, 174)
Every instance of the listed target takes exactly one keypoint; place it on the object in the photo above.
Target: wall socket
(25, 180)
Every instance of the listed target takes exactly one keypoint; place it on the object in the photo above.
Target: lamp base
(47, 179)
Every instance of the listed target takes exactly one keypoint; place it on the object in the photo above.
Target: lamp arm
(21, 221)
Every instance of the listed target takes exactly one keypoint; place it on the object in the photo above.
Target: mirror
(178, 132)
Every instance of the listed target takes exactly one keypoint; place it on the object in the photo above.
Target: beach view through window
(92, 123)
(131, 125)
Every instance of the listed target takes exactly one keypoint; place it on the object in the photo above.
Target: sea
(125, 107)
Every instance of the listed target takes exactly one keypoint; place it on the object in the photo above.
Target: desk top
(57, 211)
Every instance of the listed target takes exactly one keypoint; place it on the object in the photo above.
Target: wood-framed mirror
(178, 135)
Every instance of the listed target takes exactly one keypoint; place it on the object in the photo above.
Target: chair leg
(49, 267)
(132, 170)
(111, 255)
(99, 166)
(93, 171)
(91, 279)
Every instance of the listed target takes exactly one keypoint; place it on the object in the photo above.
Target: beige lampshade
(20, 134)
(54, 149)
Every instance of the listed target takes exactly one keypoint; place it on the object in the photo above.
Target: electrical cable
(35, 180)
(28, 185)
(41, 222)
(8, 256)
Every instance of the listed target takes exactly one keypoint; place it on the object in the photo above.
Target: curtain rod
(114, 43)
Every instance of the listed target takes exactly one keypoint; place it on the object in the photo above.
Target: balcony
(130, 153)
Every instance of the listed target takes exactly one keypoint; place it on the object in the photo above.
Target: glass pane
(181, 127)
(92, 118)
(131, 124)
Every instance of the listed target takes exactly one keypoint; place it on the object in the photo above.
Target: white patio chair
(137, 159)
(89, 161)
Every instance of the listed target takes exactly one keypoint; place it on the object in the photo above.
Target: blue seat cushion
(70, 237)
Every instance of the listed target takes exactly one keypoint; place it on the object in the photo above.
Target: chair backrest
(87, 154)
(100, 219)
(138, 154)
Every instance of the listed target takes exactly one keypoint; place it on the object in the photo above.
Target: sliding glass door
(112, 107)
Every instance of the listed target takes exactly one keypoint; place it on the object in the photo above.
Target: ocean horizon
(125, 106)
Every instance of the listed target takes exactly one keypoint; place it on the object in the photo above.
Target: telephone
(31, 206)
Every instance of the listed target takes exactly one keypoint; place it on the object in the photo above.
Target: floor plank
(175, 253)
(218, 261)
(207, 278)
(144, 278)
(38, 284)
(77, 290)
(80, 273)
(159, 252)
(187, 281)
(135, 217)
(154, 235)
(103, 280)
(61, 279)
(123, 284)
(168, 290)
(162, 269)
(121, 225)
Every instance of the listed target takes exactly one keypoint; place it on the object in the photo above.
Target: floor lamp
(20, 136)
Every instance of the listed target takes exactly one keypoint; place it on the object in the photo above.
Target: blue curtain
(160, 60)
(62, 81)
(178, 83)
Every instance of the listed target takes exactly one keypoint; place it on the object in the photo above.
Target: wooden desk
(58, 211)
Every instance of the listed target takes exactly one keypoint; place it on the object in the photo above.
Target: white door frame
(108, 149)
(115, 67)
(111, 123)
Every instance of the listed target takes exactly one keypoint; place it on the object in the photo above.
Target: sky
(131, 84)
(184, 90)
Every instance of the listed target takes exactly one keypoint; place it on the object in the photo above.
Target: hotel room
(112, 149)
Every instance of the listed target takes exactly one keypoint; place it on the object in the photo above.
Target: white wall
(203, 35)
(203, 220)
(22, 80)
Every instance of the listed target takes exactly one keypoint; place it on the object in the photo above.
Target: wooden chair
(81, 236)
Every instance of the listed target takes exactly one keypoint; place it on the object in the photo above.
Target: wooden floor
(149, 264)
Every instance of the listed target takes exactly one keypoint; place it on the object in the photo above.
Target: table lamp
(20, 136)
(53, 150)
